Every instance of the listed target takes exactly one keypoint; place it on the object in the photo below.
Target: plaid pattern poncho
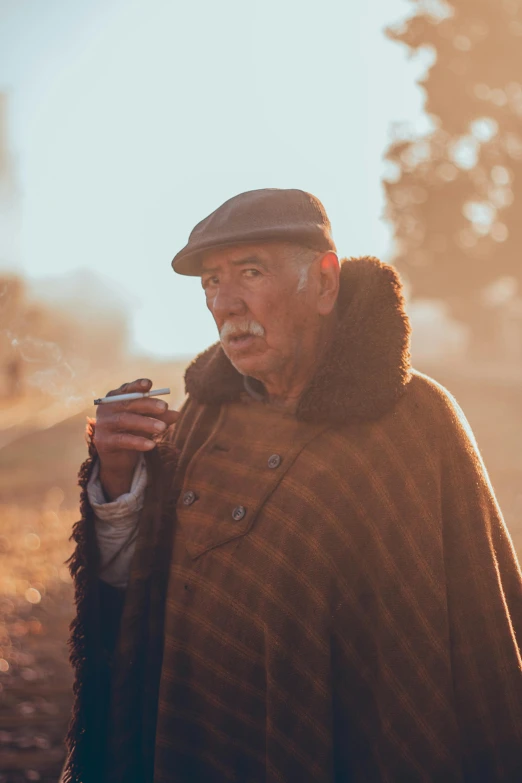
(325, 596)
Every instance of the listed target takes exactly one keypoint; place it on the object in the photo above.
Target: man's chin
(246, 362)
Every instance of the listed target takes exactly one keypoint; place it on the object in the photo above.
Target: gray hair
(302, 258)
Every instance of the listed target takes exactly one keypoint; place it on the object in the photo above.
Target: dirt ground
(38, 505)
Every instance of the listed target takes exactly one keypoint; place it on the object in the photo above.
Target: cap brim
(188, 262)
(189, 259)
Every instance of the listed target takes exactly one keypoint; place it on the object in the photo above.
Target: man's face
(263, 320)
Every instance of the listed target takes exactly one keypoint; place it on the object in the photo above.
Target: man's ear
(329, 273)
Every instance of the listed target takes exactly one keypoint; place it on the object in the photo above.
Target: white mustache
(234, 328)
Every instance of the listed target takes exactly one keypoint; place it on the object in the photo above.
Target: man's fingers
(132, 425)
(169, 417)
(124, 421)
(140, 385)
(124, 441)
(152, 407)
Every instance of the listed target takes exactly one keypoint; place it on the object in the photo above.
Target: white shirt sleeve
(116, 523)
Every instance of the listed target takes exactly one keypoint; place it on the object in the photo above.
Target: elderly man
(303, 575)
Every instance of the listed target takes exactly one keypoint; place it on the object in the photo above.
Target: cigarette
(132, 396)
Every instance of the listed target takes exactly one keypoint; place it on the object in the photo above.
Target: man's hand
(123, 430)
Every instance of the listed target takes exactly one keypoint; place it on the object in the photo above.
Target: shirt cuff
(118, 511)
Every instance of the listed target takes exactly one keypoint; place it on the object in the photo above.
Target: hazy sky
(132, 120)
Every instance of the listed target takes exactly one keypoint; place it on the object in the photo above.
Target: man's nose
(227, 302)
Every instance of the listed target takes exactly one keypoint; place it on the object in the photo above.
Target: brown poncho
(325, 596)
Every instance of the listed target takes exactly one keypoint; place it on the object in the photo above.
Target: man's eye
(252, 272)
(210, 281)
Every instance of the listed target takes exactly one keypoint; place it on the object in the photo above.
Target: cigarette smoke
(53, 337)
(56, 376)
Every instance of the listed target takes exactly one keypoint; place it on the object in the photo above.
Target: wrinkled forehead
(268, 253)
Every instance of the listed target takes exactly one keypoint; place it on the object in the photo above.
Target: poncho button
(188, 498)
(274, 461)
(238, 513)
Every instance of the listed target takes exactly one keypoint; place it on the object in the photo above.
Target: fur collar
(364, 372)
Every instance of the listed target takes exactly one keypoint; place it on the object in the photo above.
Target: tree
(455, 194)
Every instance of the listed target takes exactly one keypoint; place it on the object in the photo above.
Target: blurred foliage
(455, 194)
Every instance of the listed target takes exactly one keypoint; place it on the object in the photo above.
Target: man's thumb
(169, 417)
